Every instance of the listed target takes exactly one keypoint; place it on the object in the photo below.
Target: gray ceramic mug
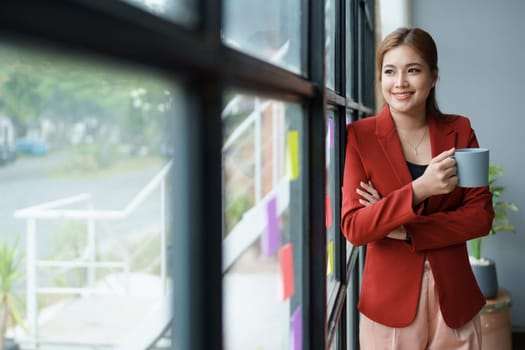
(473, 166)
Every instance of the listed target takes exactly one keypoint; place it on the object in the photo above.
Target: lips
(402, 95)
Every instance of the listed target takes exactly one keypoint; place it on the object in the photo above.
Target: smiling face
(406, 81)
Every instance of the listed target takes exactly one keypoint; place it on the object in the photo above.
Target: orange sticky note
(286, 269)
(328, 210)
(330, 262)
(292, 155)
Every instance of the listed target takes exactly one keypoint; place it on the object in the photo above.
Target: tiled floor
(102, 320)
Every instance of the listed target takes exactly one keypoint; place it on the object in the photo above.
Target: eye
(388, 71)
(414, 70)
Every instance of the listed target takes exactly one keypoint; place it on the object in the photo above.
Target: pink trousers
(428, 331)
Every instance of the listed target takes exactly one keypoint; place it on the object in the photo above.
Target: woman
(400, 198)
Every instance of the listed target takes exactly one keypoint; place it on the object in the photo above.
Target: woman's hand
(439, 177)
(370, 196)
(369, 193)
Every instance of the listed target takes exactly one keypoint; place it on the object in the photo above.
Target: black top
(416, 170)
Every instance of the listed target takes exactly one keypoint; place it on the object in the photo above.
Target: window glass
(350, 54)
(335, 342)
(86, 155)
(181, 11)
(349, 246)
(262, 232)
(331, 226)
(272, 30)
(330, 43)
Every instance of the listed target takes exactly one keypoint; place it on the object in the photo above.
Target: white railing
(253, 222)
(54, 210)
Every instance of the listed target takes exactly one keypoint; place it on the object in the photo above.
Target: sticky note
(292, 155)
(271, 238)
(328, 210)
(286, 270)
(296, 328)
(330, 257)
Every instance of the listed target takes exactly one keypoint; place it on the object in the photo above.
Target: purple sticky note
(296, 336)
(331, 133)
(271, 238)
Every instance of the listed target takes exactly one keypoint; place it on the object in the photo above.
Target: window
(232, 116)
(87, 192)
(330, 42)
(261, 247)
(271, 30)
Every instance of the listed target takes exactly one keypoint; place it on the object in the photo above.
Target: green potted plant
(485, 268)
(10, 262)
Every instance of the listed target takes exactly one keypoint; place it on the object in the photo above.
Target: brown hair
(420, 41)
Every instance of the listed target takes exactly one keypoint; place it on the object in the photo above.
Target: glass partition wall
(188, 164)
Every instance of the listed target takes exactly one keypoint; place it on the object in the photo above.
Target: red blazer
(439, 227)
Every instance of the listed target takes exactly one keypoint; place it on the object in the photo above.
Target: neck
(409, 121)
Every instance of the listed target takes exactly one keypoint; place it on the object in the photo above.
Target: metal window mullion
(340, 36)
(136, 36)
(339, 141)
(247, 72)
(197, 194)
(352, 62)
(367, 15)
(352, 316)
(353, 272)
(314, 166)
(360, 57)
(210, 21)
(339, 312)
(369, 8)
(334, 98)
(197, 243)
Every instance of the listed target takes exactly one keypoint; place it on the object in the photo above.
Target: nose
(401, 80)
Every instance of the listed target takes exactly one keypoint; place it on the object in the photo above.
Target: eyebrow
(407, 65)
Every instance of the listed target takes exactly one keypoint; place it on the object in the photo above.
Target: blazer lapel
(442, 136)
(391, 146)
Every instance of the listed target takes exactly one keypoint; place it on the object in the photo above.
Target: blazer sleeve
(441, 229)
(361, 225)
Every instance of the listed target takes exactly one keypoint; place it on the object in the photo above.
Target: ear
(434, 77)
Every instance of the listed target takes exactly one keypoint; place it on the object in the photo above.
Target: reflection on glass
(330, 204)
(349, 246)
(84, 188)
(350, 91)
(330, 43)
(261, 282)
(272, 30)
(181, 11)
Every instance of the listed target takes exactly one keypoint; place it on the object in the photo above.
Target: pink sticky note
(286, 269)
(328, 209)
(271, 239)
(296, 341)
